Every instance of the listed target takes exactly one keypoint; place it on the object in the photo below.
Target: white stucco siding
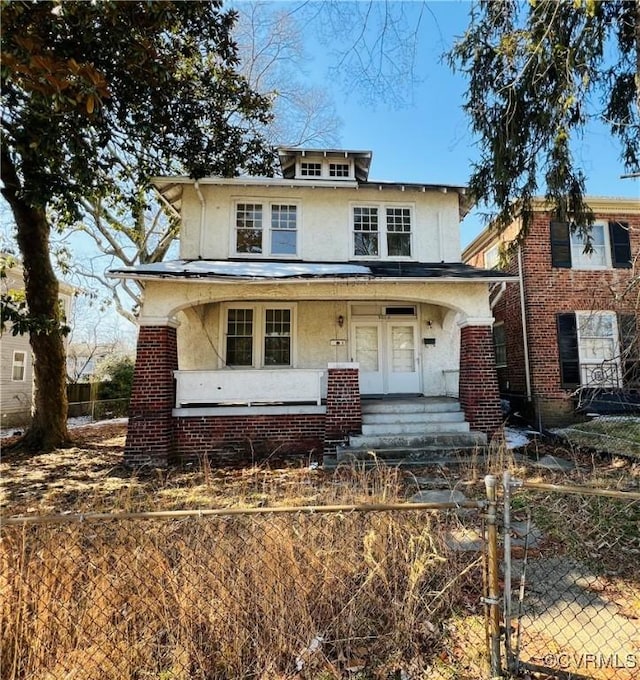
(324, 228)
(164, 299)
(198, 338)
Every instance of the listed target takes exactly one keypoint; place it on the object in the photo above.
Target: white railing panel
(239, 386)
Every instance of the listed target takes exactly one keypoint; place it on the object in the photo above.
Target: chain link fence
(344, 592)
(571, 567)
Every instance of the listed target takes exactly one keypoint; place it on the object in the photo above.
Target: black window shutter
(568, 350)
(629, 349)
(560, 245)
(620, 245)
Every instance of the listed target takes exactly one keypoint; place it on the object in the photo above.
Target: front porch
(242, 416)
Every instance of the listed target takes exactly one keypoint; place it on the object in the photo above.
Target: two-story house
(566, 338)
(16, 359)
(298, 300)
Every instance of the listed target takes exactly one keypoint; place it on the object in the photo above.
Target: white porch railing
(240, 386)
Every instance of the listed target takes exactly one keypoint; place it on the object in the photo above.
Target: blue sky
(429, 140)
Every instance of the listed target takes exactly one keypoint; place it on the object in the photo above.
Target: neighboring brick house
(16, 362)
(579, 346)
(295, 298)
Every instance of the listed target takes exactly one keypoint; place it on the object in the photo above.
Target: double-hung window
(259, 335)
(266, 229)
(589, 349)
(382, 231)
(610, 246)
(500, 344)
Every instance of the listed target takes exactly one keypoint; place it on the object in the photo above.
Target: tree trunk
(48, 428)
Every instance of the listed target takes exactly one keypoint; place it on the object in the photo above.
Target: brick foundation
(344, 410)
(150, 431)
(250, 439)
(479, 394)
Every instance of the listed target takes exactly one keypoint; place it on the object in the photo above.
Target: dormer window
(338, 169)
(308, 169)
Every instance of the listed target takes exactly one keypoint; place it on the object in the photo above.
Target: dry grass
(358, 596)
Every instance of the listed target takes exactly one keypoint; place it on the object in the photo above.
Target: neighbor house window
(589, 348)
(492, 257)
(266, 229)
(389, 237)
(500, 344)
(610, 242)
(259, 335)
(19, 366)
(308, 169)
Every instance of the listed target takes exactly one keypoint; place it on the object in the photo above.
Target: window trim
(267, 229)
(383, 245)
(16, 364)
(259, 319)
(615, 341)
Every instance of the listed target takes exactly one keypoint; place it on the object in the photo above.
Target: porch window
(277, 337)
(240, 337)
(259, 335)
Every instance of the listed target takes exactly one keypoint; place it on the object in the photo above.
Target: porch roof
(263, 270)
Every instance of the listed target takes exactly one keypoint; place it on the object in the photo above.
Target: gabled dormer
(333, 165)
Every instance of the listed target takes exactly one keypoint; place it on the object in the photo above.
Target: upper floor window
(389, 236)
(266, 229)
(19, 366)
(492, 257)
(338, 169)
(310, 169)
(610, 246)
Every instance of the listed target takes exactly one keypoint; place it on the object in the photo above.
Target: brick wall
(479, 395)
(149, 435)
(241, 440)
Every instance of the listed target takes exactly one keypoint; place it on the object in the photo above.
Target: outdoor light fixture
(341, 321)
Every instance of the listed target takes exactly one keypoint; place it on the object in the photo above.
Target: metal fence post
(493, 566)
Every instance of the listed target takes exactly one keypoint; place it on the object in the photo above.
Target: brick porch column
(344, 412)
(479, 392)
(150, 432)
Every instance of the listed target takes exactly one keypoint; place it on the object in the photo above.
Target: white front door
(402, 357)
(387, 352)
(367, 350)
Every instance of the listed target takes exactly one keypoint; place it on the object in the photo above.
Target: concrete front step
(410, 428)
(413, 417)
(419, 458)
(419, 405)
(419, 440)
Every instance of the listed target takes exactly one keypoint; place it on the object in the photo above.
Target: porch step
(410, 432)
(409, 405)
(442, 440)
